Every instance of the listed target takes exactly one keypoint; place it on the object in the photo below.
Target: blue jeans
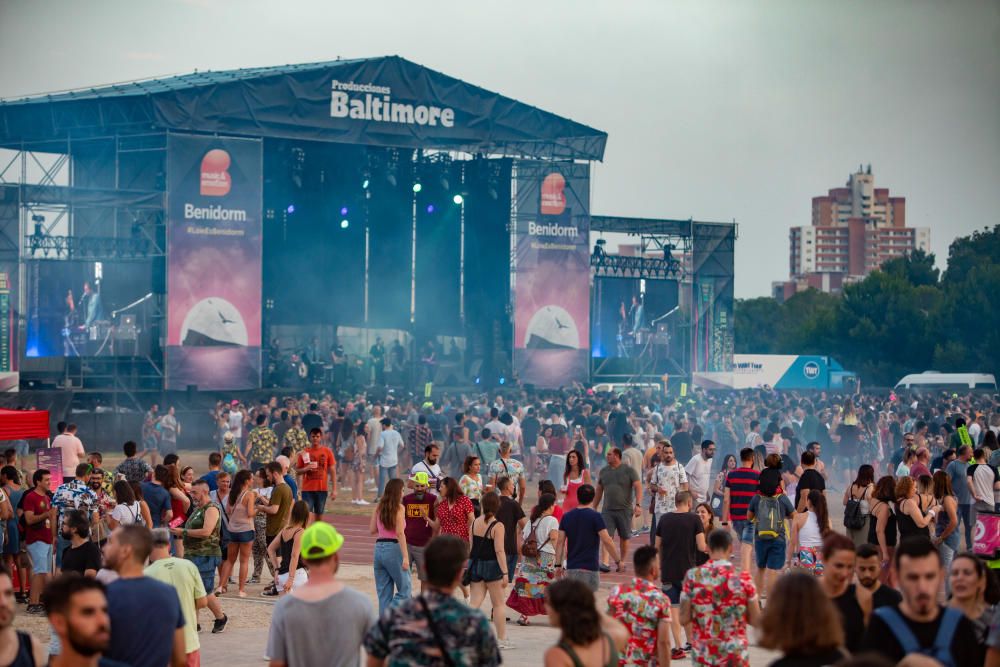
(206, 569)
(511, 565)
(966, 516)
(389, 575)
(385, 473)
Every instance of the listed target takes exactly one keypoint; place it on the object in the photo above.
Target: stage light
(391, 177)
(430, 208)
(343, 210)
(458, 199)
(503, 380)
(290, 209)
(345, 223)
(417, 187)
(477, 380)
(364, 184)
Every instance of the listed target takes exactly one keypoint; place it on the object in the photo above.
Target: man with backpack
(768, 511)
(919, 625)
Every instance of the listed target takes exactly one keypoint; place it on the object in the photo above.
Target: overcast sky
(715, 110)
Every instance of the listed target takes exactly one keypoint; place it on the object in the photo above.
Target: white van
(935, 381)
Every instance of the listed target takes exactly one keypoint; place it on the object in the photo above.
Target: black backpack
(854, 518)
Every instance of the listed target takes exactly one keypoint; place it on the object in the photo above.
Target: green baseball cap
(320, 540)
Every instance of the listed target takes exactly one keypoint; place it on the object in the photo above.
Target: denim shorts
(241, 537)
(316, 500)
(744, 531)
(206, 569)
(41, 557)
(770, 553)
(485, 570)
(672, 589)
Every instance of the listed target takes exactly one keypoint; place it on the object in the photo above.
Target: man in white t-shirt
(72, 450)
(699, 472)
(666, 479)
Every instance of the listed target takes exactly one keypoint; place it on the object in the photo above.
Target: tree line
(907, 317)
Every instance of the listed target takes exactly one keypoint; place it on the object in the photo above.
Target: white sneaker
(506, 645)
(353, 501)
(363, 502)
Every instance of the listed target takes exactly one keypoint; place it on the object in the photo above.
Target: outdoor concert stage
(224, 231)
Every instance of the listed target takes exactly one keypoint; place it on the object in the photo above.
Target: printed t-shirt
(418, 533)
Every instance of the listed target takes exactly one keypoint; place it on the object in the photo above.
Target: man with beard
(135, 598)
(421, 522)
(867, 568)
(78, 612)
(16, 648)
(919, 624)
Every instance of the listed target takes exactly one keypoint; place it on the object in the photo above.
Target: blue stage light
(430, 208)
(364, 184)
(343, 210)
(290, 209)
(503, 380)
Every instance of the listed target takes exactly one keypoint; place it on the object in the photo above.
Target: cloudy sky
(722, 110)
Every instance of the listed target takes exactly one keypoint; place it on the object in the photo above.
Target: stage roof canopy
(386, 101)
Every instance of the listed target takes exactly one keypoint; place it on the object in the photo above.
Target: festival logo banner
(552, 273)
(214, 246)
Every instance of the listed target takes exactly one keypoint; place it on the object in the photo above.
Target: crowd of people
(717, 506)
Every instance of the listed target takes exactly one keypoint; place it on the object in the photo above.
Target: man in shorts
(316, 464)
(741, 487)
(616, 485)
(39, 516)
(421, 522)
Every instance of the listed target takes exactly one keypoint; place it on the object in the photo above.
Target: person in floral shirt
(75, 494)
(296, 438)
(644, 609)
(719, 601)
(261, 444)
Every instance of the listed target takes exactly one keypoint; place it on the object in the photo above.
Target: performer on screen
(638, 314)
(90, 306)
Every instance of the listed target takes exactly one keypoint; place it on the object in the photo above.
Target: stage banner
(552, 273)
(214, 246)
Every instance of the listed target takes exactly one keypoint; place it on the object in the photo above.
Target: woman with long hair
(127, 509)
(472, 482)
(808, 530)
(180, 502)
(946, 527)
(147, 516)
(882, 529)
(914, 521)
(704, 512)
(575, 476)
(586, 638)
(974, 591)
(284, 550)
(239, 509)
(546, 486)
(488, 564)
(352, 456)
(861, 490)
(392, 560)
(729, 463)
(187, 478)
(535, 572)
(262, 484)
(802, 623)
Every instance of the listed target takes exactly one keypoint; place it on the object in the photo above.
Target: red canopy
(23, 424)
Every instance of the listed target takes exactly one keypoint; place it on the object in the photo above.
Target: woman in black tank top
(572, 609)
(882, 529)
(913, 520)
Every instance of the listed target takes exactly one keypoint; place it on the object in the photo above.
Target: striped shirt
(742, 485)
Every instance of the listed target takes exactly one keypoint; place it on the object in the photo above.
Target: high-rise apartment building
(854, 230)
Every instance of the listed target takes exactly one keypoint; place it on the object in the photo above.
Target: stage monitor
(81, 308)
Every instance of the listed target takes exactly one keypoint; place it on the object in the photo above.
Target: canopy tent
(24, 424)
(387, 101)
